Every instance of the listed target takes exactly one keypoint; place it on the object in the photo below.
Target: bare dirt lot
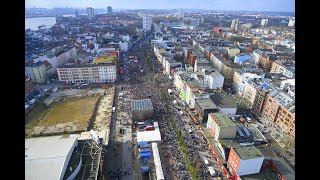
(68, 114)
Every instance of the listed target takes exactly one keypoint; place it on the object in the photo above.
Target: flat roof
(223, 100)
(142, 104)
(229, 143)
(192, 84)
(149, 136)
(157, 161)
(224, 121)
(206, 104)
(250, 152)
(45, 157)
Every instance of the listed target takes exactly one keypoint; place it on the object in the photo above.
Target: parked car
(233, 119)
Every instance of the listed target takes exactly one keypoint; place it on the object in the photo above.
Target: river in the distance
(34, 23)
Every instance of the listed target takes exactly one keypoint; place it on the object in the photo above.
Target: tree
(57, 30)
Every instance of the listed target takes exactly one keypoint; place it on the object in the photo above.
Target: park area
(68, 115)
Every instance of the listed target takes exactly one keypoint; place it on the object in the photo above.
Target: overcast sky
(250, 5)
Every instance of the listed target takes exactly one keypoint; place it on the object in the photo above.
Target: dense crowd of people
(144, 83)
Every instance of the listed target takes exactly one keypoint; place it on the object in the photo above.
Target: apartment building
(100, 73)
(58, 56)
(147, 22)
(241, 79)
(262, 91)
(279, 112)
(265, 61)
(256, 55)
(224, 67)
(232, 51)
(287, 69)
(36, 71)
(221, 126)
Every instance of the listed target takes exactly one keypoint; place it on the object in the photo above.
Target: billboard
(183, 92)
(107, 56)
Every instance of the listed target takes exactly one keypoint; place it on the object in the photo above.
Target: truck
(113, 109)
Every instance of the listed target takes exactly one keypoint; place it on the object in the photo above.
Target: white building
(291, 22)
(181, 14)
(264, 22)
(102, 73)
(147, 22)
(48, 157)
(234, 24)
(241, 79)
(256, 55)
(36, 71)
(213, 80)
(245, 160)
(124, 46)
(288, 85)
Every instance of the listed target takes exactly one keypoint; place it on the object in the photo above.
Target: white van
(206, 162)
(212, 171)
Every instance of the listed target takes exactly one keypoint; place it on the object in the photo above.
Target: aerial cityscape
(160, 90)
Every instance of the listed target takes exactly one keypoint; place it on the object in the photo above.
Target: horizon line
(164, 9)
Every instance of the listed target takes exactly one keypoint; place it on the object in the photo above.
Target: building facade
(264, 22)
(109, 9)
(36, 71)
(261, 96)
(90, 12)
(233, 51)
(181, 14)
(234, 24)
(279, 68)
(203, 107)
(147, 22)
(221, 126)
(98, 73)
(245, 160)
(291, 23)
(279, 112)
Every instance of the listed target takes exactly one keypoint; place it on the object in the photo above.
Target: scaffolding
(95, 153)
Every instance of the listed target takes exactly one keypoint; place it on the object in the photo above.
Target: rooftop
(283, 99)
(206, 104)
(223, 119)
(250, 152)
(142, 104)
(45, 156)
(223, 100)
(229, 143)
(87, 65)
(192, 84)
